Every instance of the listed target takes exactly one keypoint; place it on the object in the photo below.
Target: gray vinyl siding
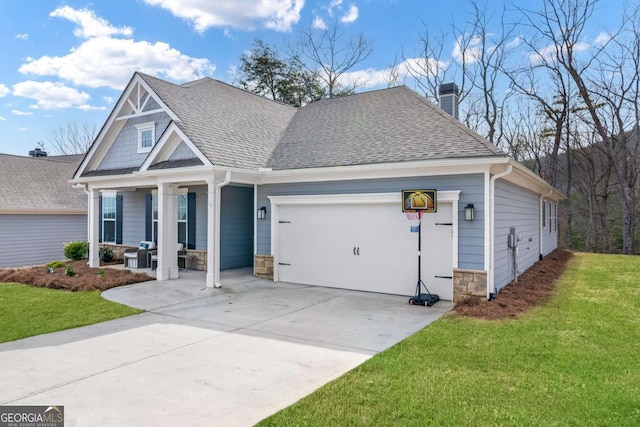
(38, 239)
(201, 216)
(124, 150)
(550, 232)
(515, 207)
(133, 213)
(470, 233)
(236, 227)
(182, 152)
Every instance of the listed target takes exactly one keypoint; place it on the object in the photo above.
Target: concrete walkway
(198, 356)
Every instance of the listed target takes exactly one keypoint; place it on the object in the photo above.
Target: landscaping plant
(76, 251)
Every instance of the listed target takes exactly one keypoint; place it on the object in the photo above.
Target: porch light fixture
(468, 212)
(262, 212)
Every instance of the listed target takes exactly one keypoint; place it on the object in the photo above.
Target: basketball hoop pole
(427, 299)
(420, 283)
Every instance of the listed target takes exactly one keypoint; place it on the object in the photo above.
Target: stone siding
(469, 284)
(264, 266)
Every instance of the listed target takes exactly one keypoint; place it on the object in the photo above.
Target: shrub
(106, 254)
(55, 264)
(68, 270)
(101, 273)
(76, 251)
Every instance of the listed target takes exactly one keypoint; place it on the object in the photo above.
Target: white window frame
(154, 208)
(143, 127)
(108, 196)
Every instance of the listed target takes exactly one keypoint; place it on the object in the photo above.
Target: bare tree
(560, 28)
(73, 138)
(331, 53)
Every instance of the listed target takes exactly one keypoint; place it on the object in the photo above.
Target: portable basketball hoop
(414, 205)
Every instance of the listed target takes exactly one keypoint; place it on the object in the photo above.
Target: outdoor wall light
(262, 212)
(468, 212)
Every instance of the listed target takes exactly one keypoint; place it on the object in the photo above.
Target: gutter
(541, 245)
(227, 179)
(491, 286)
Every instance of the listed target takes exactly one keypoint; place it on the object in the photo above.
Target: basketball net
(414, 215)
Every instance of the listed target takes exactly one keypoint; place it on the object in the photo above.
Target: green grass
(27, 311)
(574, 361)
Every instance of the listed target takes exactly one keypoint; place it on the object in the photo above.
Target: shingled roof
(383, 126)
(39, 184)
(230, 126)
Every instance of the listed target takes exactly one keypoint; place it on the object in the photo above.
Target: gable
(116, 147)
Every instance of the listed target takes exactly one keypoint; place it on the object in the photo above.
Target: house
(313, 194)
(39, 211)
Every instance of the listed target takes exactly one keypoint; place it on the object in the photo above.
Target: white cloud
(470, 53)
(88, 24)
(351, 15)
(333, 4)
(21, 113)
(23, 129)
(108, 99)
(86, 64)
(4, 90)
(602, 39)
(86, 107)
(3, 119)
(517, 41)
(279, 15)
(50, 96)
(549, 52)
(319, 23)
(22, 36)
(371, 77)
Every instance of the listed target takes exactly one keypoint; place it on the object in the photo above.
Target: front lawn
(28, 311)
(575, 360)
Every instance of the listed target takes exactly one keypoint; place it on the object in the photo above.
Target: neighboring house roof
(32, 185)
(383, 126)
(230, 126)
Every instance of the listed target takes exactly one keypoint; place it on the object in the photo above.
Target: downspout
(227, 179)
(541, 246)
(491, 287)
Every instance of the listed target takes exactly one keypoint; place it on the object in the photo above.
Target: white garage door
(364, 247)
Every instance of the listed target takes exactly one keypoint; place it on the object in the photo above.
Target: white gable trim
(113, 126)
(168, 143)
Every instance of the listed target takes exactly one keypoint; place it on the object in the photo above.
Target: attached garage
(363, 242)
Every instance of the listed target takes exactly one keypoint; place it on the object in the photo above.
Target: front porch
(213, 219)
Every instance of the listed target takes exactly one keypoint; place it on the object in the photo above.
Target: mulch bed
(85, 279)
(533, 287)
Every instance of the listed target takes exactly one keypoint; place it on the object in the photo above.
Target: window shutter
(148, 219)
(99, 219)
(119, 219)
(191, 220)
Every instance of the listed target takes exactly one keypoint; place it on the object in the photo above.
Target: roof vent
(37, 153)
(449, 99)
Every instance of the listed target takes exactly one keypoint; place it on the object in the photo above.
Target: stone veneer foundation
(469, 284)
(264, 266)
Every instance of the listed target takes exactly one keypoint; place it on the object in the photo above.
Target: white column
(167, 232)
(212, 279)
(94, 228)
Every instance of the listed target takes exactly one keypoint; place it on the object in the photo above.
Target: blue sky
(68, 61)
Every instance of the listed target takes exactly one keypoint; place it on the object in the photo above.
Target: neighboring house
(312, 195)
(39, 210)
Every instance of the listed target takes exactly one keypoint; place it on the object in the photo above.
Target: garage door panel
(318, 243)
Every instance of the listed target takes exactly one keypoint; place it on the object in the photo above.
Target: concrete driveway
(228, 356)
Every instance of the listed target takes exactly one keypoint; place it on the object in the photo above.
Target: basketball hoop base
(424, 299)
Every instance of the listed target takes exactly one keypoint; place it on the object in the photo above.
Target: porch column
(94, 228)
(212, 267)
(167, 232)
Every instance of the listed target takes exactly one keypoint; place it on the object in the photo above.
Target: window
(182, 219)
(146, 136)
(109, 218)
(554, 218)
(544, 214)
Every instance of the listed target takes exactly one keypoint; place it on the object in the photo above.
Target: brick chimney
(449, 99)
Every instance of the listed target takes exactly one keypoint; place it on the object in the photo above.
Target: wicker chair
(182, 255)
(137, 258)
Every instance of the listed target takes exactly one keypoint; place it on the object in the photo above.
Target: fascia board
(528, 179)
(387, 170)
(355, 199)
(164, 144)
(43, 211)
